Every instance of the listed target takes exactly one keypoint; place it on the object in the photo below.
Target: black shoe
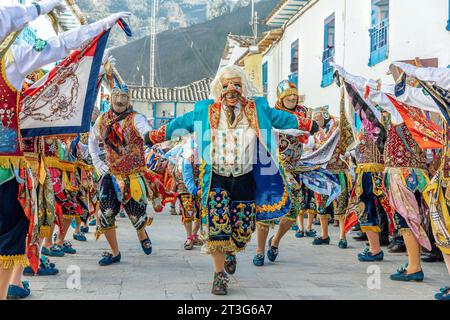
(397, 248)
(384, 242)
(220, 284)
(360, 236)
(392, 244)
(230, 263)
(431, 257)
(146, 245)
(356, 228)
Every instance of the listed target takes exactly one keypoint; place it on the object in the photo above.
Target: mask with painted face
(231, 91)
(120, 101)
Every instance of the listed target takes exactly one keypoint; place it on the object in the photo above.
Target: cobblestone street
(301, 271)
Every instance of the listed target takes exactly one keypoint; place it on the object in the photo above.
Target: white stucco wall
(417, 29)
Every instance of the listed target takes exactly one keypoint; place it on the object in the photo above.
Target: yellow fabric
(52, 162)
(42, 174)
(101, 231)
(371, 228)
(135, 188)
(220, 246)
(369, 167)
(10, 262)
(44, 232)
(7, 161)
(443, 212)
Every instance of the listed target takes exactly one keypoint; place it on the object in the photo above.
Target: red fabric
(426, 133)
(32, 250)
(9, 118)
(351, 220)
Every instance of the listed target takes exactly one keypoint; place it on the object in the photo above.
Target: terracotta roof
(194, 92)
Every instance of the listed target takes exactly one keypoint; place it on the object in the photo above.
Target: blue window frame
(328, 52)
(293, 76)
(265, 78)
(379, 33)
(448, 21)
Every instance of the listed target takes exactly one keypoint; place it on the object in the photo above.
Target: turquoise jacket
(272, 193)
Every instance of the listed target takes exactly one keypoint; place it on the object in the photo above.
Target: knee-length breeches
(110, 207)
(231, 213)
(13, 227)
(190, 207)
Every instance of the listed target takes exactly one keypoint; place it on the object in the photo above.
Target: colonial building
(362, 36)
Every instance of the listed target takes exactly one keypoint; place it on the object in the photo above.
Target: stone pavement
(302, 271)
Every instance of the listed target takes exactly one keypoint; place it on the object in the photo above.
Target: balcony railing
(379, 42)
(327, 68)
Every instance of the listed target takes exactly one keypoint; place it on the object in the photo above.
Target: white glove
(112, 19)
(102, 168)
(49, 5)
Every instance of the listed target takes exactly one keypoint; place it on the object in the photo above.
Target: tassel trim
(149, 222)
(10, 262)
(101, 231)
(220, 246)
(265, 225)
(369, 167)
(45, 232)
(376, 229)
(72, 216)
(51, 162)
(307, 212)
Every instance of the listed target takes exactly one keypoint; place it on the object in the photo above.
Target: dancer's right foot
(220, 283)
(53, 251)
(108, 259)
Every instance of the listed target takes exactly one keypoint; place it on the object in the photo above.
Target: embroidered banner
(62, 102)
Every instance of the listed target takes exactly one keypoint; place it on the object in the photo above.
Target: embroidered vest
(9, 116)
(367, 150)
(130, 156)
(401, 150)
(233, 149)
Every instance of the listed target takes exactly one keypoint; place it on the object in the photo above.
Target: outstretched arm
(285, 120)
(180, 126)
(26, 59)
(15, 17)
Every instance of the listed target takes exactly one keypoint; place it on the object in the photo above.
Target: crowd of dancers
(232, 167)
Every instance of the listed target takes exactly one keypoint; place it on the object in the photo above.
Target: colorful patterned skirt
(405, 188)
(440, 214)
(19, 236)
(368, 200)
